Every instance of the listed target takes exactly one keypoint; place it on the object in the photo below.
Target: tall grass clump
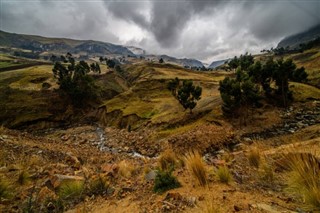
(125, 169)
(98, 185)
(304, 179)
(5, 189)
(223, 175)
(167, 160)
(71, 190)
(254, 157)
(196, 167)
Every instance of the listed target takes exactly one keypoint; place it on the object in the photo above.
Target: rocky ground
(36, 166)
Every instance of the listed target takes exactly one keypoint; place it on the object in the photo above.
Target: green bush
(165, 181)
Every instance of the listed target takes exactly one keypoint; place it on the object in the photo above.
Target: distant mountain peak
(294, 40)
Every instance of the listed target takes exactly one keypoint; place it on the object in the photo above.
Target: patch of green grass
(71, 190)
(4, 64)
(303, 92)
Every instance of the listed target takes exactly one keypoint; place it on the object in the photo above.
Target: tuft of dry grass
(99, 185)
(211, 207)
(71, 190)
(223, 175)
(167, 160)
(304, 179)
(125, 169)
(5, 188)
(23, 177)
(254, 157)
(196, 166)
(267, 172)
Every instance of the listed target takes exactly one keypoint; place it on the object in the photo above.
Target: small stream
(103, 147)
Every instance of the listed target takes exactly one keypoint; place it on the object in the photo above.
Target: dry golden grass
(304, 179)
(125, 169)
(5, 188)
(196, 167)
(223, 175)
(266, 172)
(254, 157)
(211, 207)
(167, 160)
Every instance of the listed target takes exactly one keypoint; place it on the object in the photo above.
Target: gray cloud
(206, 30)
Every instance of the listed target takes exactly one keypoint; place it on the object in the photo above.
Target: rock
(151, 175)
(110, 169)
(64, 138)
(57, 179)
(246, 139)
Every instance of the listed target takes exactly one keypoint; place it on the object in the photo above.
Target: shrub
(71, 190)
(196, 167)
(223, 174)
(304, 179)
(165, 181)
(254, 157)
(167, 160)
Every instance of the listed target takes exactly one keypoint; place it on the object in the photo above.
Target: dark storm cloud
(184, 28)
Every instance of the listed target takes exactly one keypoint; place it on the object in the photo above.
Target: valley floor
(129, 161)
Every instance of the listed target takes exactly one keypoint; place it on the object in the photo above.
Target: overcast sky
(201, 29)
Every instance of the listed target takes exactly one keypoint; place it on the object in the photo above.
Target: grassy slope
(150, 99)
(23, 100)
(309, 59)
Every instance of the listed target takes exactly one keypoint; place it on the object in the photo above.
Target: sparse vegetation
(196, 167)
(73, 79)
(254, 157)
(23, 177)
(71, 190)
(223, 175)
(98, 185)
(125, 169)
(304, 179)
(165, 181)
(167, 160)
(186, 93)
(5, 188)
